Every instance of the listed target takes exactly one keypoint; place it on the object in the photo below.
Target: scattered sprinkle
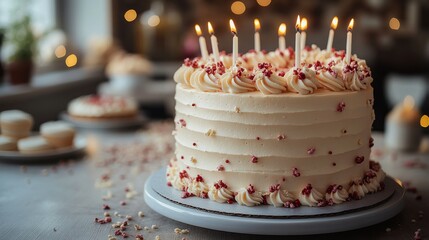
(211, 133)
(237, 110)
(140, 214)
(154, 227)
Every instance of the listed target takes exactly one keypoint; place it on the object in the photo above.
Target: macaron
(34, 144)
(7, 144)
(15, 124)
(58, 134)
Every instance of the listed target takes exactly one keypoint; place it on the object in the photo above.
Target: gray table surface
(61, 200)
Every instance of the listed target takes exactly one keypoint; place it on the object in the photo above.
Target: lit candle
(203, 45)
(334, 25)
(403, 130)
(303, 28)
(298, 43)
(234, 43)
(213, 40)
(282, 39)
(349, 41)
(257, 36)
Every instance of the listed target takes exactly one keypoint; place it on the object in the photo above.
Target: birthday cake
(262, 131)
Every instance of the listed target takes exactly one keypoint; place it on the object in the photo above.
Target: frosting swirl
(336, 194)
(357, 75)
(357, 189)
(237, 80)
(198, 188)
(301, 80)
(220, 193)
(207, 79)
(280, 59)
(180, 183)
(269, 82)
(249, 197)
(330, 77)
(310, 196)
(183, 74)
(278, 197)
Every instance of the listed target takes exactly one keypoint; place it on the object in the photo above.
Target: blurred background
(55, 50)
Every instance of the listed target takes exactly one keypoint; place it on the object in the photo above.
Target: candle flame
(350, 27)
(198, 30)
(334, 23)
(211, 31)
(408, 102)
(282, 29)
(257, 24)
(298, 24)
(232, 26)
(304, 24)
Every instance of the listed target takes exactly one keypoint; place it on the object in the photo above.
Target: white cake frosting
(283, 137)
(102, 106)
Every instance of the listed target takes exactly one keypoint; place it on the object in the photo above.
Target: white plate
(316, 224)
(57, 154)
(106, 123)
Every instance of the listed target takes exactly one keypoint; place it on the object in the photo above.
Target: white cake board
(272, 225)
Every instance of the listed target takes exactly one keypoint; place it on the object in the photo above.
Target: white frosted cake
(264, 132)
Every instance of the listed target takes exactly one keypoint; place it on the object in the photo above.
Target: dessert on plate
(102, 107)
(15, 124)
(271, 133)
(58, 133)
(35, 144)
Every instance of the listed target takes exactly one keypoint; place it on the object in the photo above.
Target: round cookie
(15, 124)
(59, 134)
(7, 144)
(34, 144)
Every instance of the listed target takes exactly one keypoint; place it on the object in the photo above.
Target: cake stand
(267, 220)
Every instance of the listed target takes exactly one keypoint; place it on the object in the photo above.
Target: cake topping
(254, 159)
(237, 80)
(359, 159)
(221, 168)
(249, 197)
(301, 80)
(311, 151)
(311, 197)
(267, 81)
(341, 106)
(295, 172)
(220, 193)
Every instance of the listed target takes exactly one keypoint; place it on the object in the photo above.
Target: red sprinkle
(254, 159)
(258, 138)
(199, 178)
(182, 122)
(311, 151)
(359, 159)
(334, 164)
(221, 168)
(295, 172)
(307, 190)
(251, 189)
(139, 237)
(194, 144)
(227, 161)
(341, 106)
(187, 194)
(281, 137)
(274, 188)
(106, 207)
(123, 203)
(330, 152)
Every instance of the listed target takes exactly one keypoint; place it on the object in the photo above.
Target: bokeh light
(153, 20)
(263, 3)
(130, 15)
(238, 7)
(424, 121)
(394, 24)
(60, 51)
(71, 60)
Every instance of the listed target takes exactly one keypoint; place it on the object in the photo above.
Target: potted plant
(22, 44)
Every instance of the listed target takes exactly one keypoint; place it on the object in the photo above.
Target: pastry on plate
(15, 124)
(7, 144)
(102, 107)
(59, 133)
(35, 144)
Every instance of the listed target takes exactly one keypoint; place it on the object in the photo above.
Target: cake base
(269, 220)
